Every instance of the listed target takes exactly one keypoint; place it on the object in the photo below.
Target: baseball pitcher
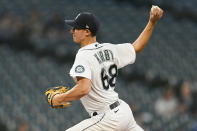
(95, 70)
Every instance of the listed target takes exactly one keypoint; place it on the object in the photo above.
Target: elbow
(139, 46)
(84, 86)
(138, 49)
(85, 90)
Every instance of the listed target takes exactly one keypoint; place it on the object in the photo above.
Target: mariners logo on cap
(79, 69)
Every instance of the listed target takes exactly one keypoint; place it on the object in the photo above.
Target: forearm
(74, 94)
(81, 89)
(144, 37)
(155, 14)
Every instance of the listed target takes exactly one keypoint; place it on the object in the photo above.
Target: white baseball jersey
(100, 64)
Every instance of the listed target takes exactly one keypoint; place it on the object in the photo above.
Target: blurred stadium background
(37, 52)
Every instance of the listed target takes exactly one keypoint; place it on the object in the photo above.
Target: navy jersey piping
(94, 123)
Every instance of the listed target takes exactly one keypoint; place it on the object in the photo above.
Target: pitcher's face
(78, 35)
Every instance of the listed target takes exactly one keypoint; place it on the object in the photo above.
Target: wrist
(56, 100)
(152, 23)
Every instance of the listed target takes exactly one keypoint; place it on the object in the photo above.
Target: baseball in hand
(155, 13)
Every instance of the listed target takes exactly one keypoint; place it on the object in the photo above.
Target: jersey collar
(91, 46)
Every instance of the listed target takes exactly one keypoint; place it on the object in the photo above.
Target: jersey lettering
(103, 56)
(112, 55)
(106, 55)
(95, 55)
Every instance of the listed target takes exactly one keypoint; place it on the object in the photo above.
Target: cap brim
(71, 23)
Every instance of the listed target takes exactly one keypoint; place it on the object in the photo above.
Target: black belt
(112, 106)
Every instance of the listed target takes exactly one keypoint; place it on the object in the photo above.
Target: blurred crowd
(171, 101)
(176, 100)
(23, 32)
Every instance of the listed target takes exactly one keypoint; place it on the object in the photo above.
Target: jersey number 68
(109, 79)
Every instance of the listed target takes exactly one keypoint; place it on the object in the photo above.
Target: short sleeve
(125, 54)
(80, 68)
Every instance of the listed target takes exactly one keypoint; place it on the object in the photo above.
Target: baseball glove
(50, 93)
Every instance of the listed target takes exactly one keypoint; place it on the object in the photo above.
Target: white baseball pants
(118, 119)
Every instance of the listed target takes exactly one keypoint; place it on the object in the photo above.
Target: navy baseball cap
(85, 20)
